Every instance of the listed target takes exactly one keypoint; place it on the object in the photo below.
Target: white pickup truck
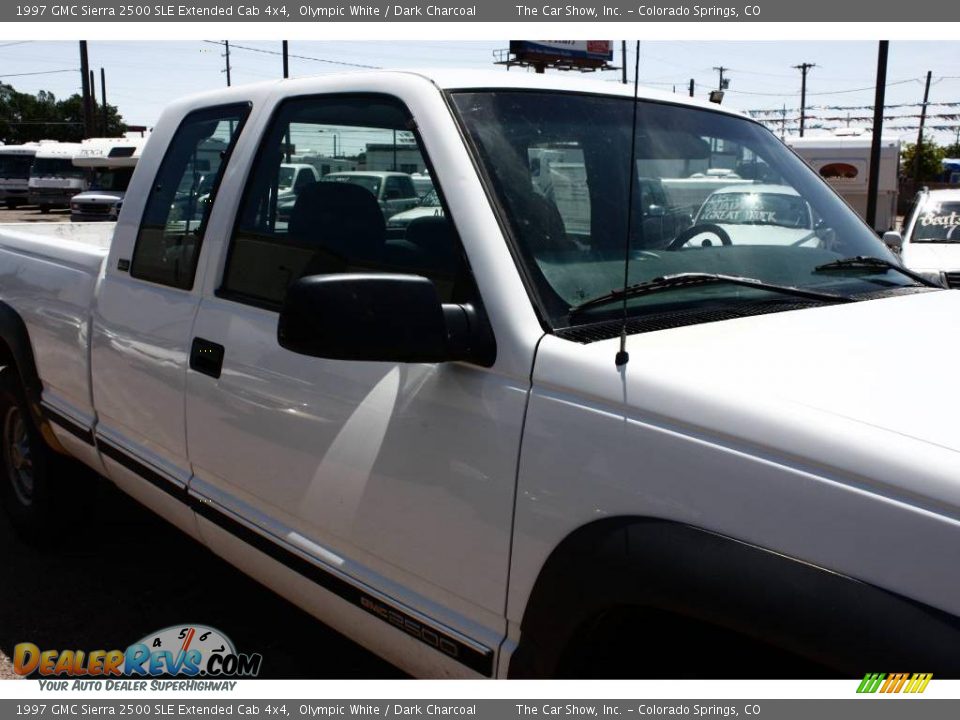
(435, 443)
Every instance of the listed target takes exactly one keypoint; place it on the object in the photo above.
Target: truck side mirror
(893, 240)
(379, 318)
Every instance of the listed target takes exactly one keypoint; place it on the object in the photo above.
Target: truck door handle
(206, 357)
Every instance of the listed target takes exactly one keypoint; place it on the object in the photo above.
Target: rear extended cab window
(176, 213)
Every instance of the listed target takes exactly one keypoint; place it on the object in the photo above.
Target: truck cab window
(362, 214)
(176, 213)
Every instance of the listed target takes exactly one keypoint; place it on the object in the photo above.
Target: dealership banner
(326, 709)
(481, 11)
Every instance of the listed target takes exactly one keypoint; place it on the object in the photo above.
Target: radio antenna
(623, 356)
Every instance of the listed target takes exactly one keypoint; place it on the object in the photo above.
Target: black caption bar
(485, 11)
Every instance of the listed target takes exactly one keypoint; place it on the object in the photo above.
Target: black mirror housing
(379, 318)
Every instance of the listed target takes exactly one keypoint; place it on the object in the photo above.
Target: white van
(54, 179)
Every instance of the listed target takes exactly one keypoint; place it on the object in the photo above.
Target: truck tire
(44, 209)
(30, 486)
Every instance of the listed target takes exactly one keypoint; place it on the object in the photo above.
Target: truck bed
(49, 275)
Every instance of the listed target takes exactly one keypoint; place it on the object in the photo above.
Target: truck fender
(846, 626)
(18, 351)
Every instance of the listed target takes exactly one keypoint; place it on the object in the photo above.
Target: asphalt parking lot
(30, 214)
(119, 572)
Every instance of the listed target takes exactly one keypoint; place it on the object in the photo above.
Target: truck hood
(869, 389)
(932, 256)
(99, 197)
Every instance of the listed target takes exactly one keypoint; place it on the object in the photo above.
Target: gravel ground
(119, 572)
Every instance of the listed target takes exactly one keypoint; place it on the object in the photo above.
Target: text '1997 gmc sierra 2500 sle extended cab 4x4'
(434, 443)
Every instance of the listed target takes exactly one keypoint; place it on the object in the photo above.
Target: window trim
(242, 110)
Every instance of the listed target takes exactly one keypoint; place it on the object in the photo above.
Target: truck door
(390, 485)
(145, 310)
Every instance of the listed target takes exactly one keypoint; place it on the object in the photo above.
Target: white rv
(843, 160)
(111, 161)
(15, 162)
(54, 179)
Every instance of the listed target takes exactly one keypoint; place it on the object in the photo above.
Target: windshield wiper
(695, 279)
(866, 262)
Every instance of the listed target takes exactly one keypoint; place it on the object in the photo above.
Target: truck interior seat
(342, 222)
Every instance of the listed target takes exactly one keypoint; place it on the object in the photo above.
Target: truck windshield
(112, 179)
(712, 193)
(56, 167)
(15, 166)
(938, 223)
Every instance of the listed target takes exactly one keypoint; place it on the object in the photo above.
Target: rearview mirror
(379, 318)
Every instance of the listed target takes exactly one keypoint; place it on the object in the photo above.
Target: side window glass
(357, 218)
(176, 212)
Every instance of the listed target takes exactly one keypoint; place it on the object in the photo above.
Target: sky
(142, 76)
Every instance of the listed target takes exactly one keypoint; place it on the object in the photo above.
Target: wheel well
(17, 353)
(659, 580)
(629, 641)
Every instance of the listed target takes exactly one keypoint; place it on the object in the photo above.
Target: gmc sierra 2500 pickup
(433, 443)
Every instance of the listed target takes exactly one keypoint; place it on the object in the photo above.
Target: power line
(43, 72)
(299, 57)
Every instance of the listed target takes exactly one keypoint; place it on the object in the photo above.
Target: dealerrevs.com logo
(180, 650)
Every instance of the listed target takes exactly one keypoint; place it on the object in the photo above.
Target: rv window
(839, 171)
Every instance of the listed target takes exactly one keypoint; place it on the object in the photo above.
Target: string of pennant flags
(780, 111)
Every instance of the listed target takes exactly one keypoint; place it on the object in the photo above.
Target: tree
(26, 118)
(930, 157)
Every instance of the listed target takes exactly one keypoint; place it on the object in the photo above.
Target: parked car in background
(394, 191)
(422, 182)
(293, 177)
(931, 236)
(429, 206)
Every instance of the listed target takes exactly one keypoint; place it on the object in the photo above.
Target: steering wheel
(691, 232)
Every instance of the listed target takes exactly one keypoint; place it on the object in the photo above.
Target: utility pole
(226, 56)
(873, 184)
(85, 80)
(623, 54)
(721, 70)
(803, 68)
(93, 102)
(286, 60)
(692, 85)
(103, 101)
(783, 123)
(923, 118)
